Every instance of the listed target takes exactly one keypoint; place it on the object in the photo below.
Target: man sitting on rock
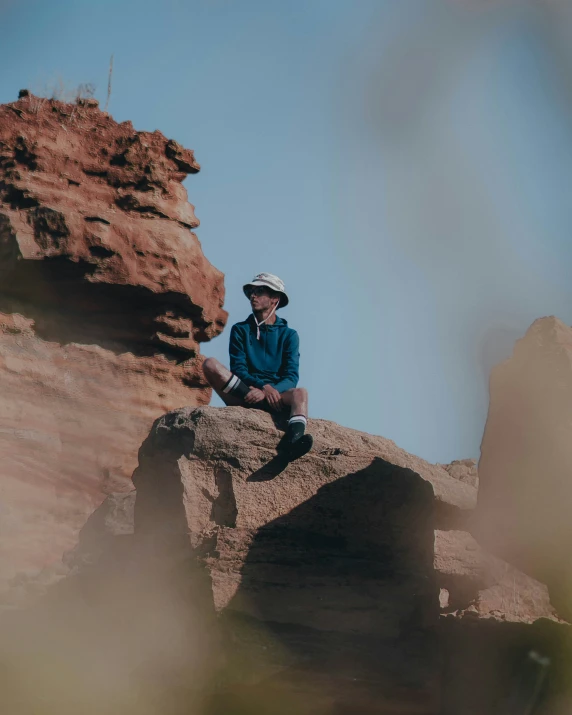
(264, 358)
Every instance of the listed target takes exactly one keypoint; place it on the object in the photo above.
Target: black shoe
(298, 448)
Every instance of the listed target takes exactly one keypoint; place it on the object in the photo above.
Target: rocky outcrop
(473, 582)
(343, 582)
(463, 469)
(314, 568)
(105, 296)
(232, 480)
(526, 460)
(470, 580)
(342, 565)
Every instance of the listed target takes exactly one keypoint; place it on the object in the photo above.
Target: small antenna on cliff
(109, 83)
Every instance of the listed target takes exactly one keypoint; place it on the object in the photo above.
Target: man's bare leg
(217, 376)
(297, 399)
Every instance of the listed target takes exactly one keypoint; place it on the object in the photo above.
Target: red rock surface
(470, 580)
(526, 460)
(105, 295)
(334, 564)
(325, 574)
(322, 573)
(474, 582)
(463, 469)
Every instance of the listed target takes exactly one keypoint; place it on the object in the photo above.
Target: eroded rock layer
(105, 295)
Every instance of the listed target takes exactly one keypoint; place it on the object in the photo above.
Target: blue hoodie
(272, 360)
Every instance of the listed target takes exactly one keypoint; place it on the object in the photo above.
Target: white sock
(298, 418)
(296, 427)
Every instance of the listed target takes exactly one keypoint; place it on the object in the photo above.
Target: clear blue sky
(405, 167)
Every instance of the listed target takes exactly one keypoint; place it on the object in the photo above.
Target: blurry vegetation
(60, 90)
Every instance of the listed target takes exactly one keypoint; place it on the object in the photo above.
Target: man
(264, 358)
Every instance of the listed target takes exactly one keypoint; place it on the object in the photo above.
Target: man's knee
(210, 367)
(298, 393)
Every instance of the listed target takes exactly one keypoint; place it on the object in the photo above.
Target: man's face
(262, 298)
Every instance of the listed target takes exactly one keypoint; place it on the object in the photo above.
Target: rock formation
(526, 460)
(344, 582)
(463, 469)
(105, 295)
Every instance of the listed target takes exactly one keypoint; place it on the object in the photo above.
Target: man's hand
(254, 395)
(273, 397)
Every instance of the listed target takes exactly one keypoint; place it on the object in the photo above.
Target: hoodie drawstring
(262, 321)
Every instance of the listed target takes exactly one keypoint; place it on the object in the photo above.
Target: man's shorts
(265, 407)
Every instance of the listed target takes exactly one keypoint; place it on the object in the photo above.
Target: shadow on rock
(270, 470)
(336, 598)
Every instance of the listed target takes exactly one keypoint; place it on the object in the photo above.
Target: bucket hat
(270, 281)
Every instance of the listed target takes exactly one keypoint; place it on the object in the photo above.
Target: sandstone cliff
(526, 459)
(105, 295)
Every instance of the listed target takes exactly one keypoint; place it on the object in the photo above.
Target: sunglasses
(258, 290)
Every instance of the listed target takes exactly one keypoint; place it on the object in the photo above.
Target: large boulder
(232, 582)
(525, 468)
(105, 295)
(314, 567)
(332, 565)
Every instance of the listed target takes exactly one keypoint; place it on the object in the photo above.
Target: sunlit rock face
(105, 296)
(321, 571)
(334, 574)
